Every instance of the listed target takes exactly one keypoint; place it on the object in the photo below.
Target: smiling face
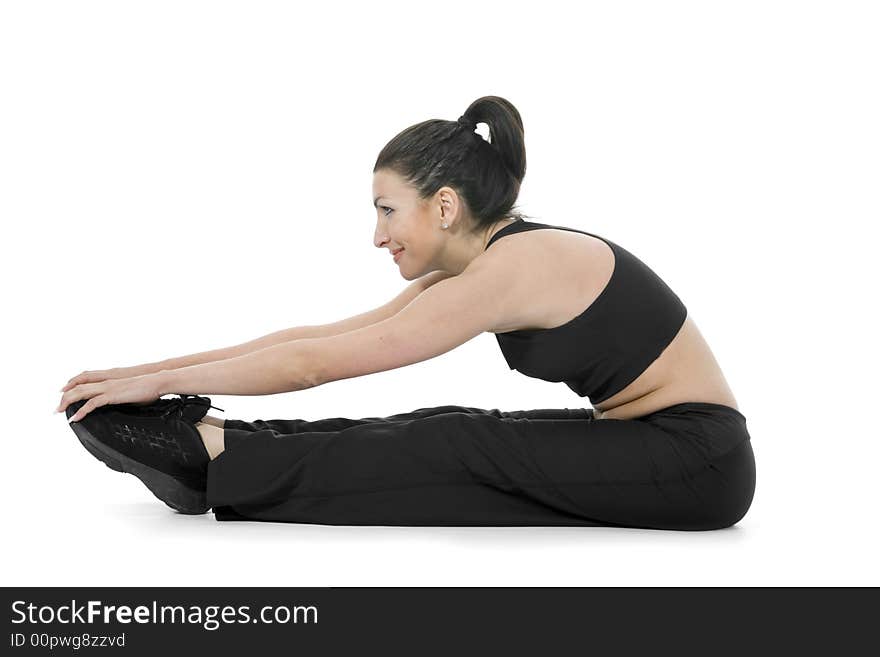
(404, 221)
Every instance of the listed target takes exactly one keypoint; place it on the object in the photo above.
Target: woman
(663, 447)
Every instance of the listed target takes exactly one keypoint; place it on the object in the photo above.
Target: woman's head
(443, 172)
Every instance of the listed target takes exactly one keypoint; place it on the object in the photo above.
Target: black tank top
(605, 348)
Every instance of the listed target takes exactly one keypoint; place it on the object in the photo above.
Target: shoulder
(557, 272)
(500, 262)
(499, 279)
(557, 246)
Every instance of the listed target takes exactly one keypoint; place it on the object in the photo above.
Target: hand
(94, 376)
(145, 388)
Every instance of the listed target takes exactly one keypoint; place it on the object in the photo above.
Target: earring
(445, 226)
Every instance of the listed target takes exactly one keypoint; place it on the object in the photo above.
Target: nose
(380, 236)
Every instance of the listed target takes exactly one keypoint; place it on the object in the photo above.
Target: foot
(190, 407)
(161, 446)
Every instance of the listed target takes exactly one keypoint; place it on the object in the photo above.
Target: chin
(410, 275)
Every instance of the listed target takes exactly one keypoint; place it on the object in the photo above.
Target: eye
(385, 207)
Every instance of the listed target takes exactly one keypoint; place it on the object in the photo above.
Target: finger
(82, 377)
(88, 407)
(81, 391)
(81, 413)
(75, 381)
(66, 400)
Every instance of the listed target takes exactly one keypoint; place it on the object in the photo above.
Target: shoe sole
(165, 487)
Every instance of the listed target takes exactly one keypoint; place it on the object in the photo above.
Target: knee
(733, 489)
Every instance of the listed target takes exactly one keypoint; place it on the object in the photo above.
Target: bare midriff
(686, 370)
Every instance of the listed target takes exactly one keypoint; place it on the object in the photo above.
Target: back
(606, 347)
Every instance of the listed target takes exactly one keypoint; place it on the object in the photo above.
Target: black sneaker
(192, 407)
(158, 443)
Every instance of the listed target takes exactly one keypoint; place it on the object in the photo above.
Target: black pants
(686, 467)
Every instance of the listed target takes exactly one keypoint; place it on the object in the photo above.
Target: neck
(462, 252)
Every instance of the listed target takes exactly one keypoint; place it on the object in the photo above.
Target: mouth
(394, 253)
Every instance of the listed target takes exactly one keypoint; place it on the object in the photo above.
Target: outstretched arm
(282, 367)
(441, 318)
(379, 314)
(279, 337)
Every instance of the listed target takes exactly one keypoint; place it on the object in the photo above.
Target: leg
(493, 469)
(212, 436)
(340, 423)
(213, 421)
(236, 430)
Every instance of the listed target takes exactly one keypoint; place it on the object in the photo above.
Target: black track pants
(686, 467)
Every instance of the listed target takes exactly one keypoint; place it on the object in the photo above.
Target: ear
(451, 205)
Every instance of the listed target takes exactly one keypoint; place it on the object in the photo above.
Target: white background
(182, 176)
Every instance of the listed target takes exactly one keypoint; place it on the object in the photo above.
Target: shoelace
(178, 404)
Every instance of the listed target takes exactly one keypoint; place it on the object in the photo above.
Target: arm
(390, 309)
(447, 315)
(476, 299)
(268, 371)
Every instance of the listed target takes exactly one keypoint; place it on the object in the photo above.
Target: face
(403, 221)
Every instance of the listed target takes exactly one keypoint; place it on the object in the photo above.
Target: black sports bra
(605, 348)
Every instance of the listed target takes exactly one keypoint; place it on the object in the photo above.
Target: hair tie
(465, 122)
